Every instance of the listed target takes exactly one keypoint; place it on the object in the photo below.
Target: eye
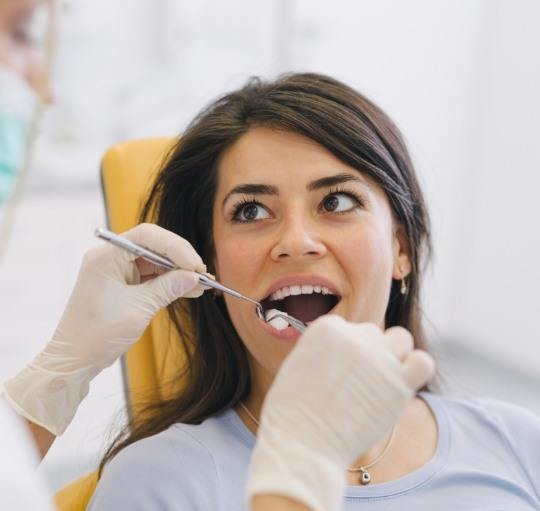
(249, 211)
(340, 202)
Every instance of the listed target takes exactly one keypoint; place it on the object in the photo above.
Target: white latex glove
(340, 390)
(107, 312)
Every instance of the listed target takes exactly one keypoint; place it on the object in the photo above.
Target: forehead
(266, 155)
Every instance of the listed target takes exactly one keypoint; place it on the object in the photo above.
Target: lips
(305, 297)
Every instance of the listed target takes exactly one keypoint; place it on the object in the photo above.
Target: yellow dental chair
(127, 171)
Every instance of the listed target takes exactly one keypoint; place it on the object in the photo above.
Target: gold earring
(403, 289)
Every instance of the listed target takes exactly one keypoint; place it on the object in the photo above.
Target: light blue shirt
(487, 458)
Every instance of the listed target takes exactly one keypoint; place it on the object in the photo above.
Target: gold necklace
(365, 476)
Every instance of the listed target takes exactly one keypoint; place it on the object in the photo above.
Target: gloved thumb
(172, 285)
(418, 369)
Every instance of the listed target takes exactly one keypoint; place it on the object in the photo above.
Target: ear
(401, 253)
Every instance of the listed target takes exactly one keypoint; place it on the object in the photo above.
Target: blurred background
(461, 79)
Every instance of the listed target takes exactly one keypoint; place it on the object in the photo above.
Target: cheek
(237, 262)
(368, 253)
(240, 265)
(367, 262)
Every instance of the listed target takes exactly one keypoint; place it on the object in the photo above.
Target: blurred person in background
(24, 82)
(48, 391)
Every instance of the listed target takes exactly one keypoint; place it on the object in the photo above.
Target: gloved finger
(399, 341)
(418, 369)
(197, 291)
(172, 285)
(166, 243)
(148, 270)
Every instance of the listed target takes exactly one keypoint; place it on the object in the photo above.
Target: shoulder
(510, 415)
(175, 469)
(518, 426)
(507, 430)
(177, 447)
(505, 417)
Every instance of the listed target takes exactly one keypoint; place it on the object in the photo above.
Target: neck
(261, 381)
(254, 407)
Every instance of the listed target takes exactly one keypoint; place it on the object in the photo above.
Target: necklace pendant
(365, 477)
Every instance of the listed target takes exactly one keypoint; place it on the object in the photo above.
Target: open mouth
(305, 303)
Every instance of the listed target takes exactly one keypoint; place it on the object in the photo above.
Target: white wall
(460, 77)
(496, 279)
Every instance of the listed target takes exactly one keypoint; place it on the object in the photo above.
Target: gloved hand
(115, 297)
(340, 390)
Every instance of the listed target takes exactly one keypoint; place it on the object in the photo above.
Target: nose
(298, 239)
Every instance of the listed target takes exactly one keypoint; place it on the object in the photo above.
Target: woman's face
(291, 218)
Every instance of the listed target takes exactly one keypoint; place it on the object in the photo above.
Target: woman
(300, 193)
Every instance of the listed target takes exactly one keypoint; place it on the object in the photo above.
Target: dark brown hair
(328, 112)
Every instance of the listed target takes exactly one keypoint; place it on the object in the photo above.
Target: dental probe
(165, 262)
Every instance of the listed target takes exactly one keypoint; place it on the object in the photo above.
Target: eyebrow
(323, 182)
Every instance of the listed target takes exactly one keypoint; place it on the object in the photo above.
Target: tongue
(307, 307)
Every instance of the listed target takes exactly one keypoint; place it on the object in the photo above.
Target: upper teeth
(304, 289)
